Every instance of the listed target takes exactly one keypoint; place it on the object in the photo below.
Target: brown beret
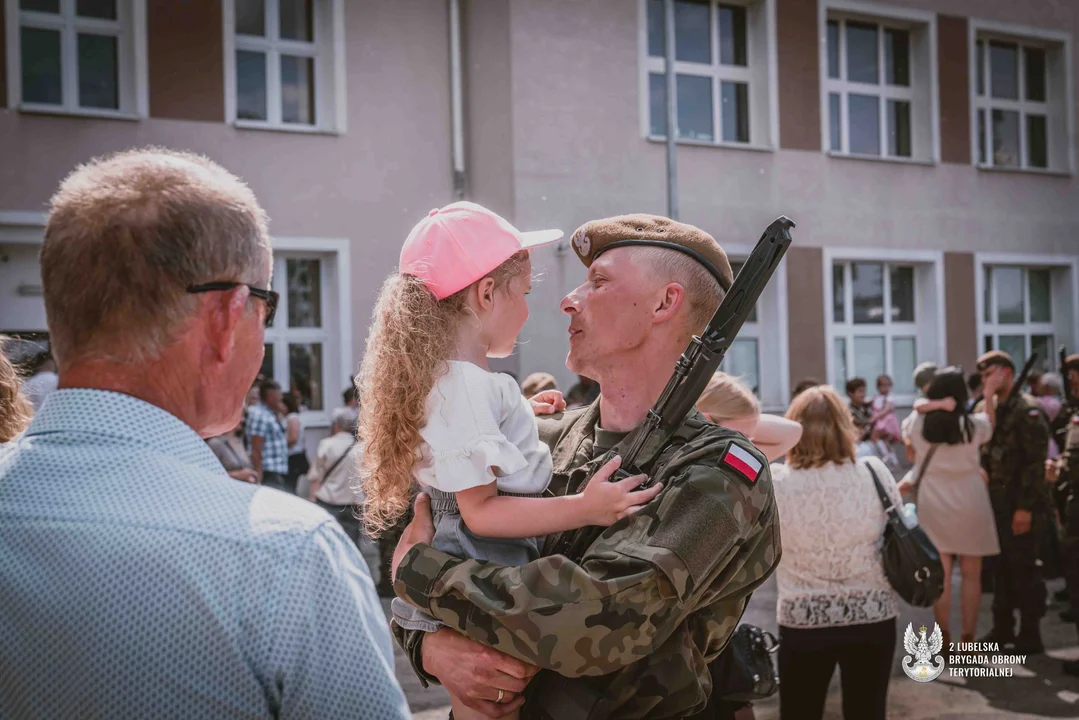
(596, 237)
(995, 358)
(1071, 362)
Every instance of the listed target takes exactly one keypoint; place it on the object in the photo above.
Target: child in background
(728, 402)
(885, 424)
(434, 414)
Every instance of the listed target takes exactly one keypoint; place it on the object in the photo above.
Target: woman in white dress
(952, 496)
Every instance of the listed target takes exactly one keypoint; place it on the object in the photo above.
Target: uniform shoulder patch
(743, 462)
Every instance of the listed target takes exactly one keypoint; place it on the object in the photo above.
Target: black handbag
(744, 671)
(911, 561)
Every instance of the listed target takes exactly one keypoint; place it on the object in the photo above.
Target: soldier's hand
(420, 530)
(1021, 522)
(605, 503)
(474, 673)
(1052, 471)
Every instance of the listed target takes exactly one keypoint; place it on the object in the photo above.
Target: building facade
(925, 149)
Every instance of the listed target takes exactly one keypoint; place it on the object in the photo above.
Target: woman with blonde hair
(15, 408)
(727, 401)
(435, 415)
(835, 606)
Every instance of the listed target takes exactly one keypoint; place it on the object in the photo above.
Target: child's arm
(925, 405)
(775, 435)
(487, 513)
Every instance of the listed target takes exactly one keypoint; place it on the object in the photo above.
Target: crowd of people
(191, 545)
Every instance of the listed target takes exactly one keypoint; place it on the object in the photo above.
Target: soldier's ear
(669, 300)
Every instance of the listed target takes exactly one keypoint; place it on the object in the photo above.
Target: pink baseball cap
(461, 243)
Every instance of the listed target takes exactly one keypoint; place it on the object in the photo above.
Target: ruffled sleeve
(464, 446)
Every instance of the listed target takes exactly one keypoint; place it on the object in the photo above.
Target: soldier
(627, 629)
(1065, 472)
(1015, 460)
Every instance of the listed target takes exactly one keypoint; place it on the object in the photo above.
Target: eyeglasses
(270, 297)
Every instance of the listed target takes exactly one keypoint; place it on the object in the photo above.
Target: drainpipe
(457, 122)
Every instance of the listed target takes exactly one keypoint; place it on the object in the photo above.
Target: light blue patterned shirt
(137, 580)
(263, 423)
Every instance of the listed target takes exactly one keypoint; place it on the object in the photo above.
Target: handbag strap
(339, 460)
(921, 470)
(885, 499)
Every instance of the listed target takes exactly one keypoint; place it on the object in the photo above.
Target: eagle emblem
(582, 244)
(920, 664)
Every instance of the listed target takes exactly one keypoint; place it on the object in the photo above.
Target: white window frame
(759, 100)
(327, 50)
(928, 328)
(884, 17)
(1064, 326)
(771, 333)
(336, 331)
(132, 68)
(1058, 141)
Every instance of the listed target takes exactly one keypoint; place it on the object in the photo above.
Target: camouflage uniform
(1069, 481)
(1015, 462)
(628, 630)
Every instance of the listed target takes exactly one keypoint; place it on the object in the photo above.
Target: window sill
(298, 129)
(880, 159)
(659, 139)
(315, 418)
(31, 109)
(1024, 171)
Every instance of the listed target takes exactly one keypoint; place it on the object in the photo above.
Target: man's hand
(247, 475)
(1052, 471)
(547, 402)
(475, 673)
(420, 530)
(1021, 522)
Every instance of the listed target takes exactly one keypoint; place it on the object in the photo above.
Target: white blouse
(479, 430)
(832, 524)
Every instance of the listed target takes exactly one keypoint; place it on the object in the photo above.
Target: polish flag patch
(743, 461)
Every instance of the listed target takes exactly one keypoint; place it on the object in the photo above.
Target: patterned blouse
(833, 524)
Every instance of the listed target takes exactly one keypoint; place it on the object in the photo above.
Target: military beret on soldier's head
(596, 237)
(1071, 362)
(995, 358)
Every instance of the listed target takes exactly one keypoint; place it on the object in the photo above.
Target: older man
(627, 628)
(137, 579)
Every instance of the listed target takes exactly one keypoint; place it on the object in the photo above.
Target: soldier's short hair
(995, 358)
(1071, 363)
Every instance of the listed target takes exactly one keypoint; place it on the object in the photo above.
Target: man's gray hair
(346, 418)
(127, 234)
(1053, 382)
(703, 293)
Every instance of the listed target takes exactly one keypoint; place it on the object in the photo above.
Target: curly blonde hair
(15, 409)
(412, 339)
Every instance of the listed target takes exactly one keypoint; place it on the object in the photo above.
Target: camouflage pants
(1019, 584)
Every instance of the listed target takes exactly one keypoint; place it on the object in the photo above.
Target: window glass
(839, 355)
(267, 361)
(41, 79)
(862, 46)
(743, 361)
(867, 291)
(46, 6)
(864, 124)
(1009, 290)
(296, 20)
(692, 32)
(1043, 345)
(897, 57)
(250, 85)
(868, 357)
(980, 60)
(99, 82)
(734, 102)
(987, 297)
(1034, 59)
(1016, 347)
(981, 138)
(657, 105)
(835, 127)
(1006, 138)
(100, 9)
(657, 29)
(833, 49)
(904, 360)
(1037, 142)
(902, 287)
(839, 314)
(304, 292)
(899, 128)
(1041, 303)
(695, 107)
(1003, 70)
(732, 35)
(250, 17)
(297, 90)
(305, 373)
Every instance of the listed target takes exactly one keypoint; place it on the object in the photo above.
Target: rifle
(697, 365)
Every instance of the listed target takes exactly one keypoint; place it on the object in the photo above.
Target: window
(1019, 103)
(1018, 312)
(297, 346)
(75, 56)
(873, 323)
(878, 91)
(283, 63)
(743, 356)
(721, 68)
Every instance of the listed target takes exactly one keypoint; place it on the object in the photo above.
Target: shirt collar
(123, 418)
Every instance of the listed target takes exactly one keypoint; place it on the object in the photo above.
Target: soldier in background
(1066, 486)
(1015, 460)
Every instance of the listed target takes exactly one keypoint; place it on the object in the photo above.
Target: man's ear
(221, 315)
(670, 298)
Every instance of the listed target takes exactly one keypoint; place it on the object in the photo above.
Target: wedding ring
(501, 695)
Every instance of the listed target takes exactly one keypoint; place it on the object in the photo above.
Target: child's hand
(605, 503)
(947, 404)
(547, 402)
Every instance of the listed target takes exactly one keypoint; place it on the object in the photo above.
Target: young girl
(728, 402)
(434, 413)
(885, 423)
